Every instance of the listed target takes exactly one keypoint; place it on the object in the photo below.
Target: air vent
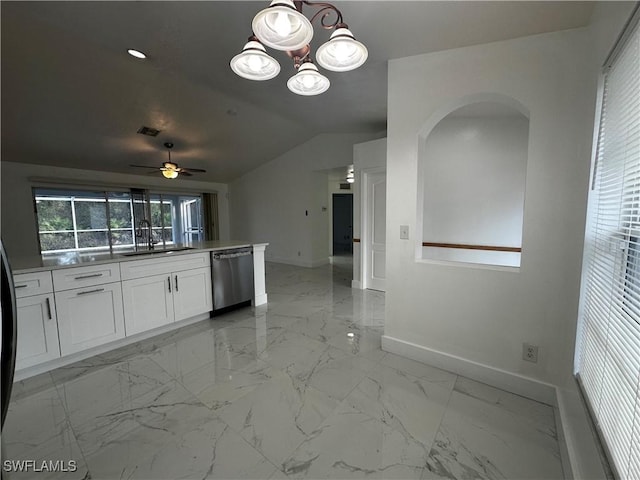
(345, 186)
(152, 132)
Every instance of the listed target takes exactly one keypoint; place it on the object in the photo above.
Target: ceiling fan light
(282, 26)
(342, 52)
(254, 63)
(308, 81)
(169, 173)
(170, 166)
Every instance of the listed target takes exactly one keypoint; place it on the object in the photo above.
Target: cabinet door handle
(49, 308)
(21, 286)
(169, 282)
(93, 275)
(91, 291)
(176, 283)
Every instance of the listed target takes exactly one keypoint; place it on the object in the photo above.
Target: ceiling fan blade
(154, 173)
(194, 170)
(183, 172)
(143, 166)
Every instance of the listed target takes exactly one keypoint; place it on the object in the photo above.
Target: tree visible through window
(95, 221)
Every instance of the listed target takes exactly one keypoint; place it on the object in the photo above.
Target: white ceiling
(72, 97)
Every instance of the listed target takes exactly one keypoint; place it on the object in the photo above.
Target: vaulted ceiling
(73, 97)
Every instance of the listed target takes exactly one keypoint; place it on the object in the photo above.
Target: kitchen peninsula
(75, 305)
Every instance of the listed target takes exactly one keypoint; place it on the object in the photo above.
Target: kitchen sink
(158, 251)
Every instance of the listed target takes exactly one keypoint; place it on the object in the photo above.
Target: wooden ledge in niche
(472, 247)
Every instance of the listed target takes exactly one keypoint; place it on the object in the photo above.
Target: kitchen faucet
(144, 223)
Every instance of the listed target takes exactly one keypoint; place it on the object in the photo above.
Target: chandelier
(282, 26)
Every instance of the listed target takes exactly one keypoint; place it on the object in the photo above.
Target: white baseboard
(581, 457)
(319, 262)
(299, 263)
(511, 382)
(260, 299)
(356, 284)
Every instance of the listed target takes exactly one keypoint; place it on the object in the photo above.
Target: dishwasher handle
(223, 256)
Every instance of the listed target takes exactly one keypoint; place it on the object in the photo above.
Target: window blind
(608, 357)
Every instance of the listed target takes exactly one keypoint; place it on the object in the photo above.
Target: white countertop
(39, 263)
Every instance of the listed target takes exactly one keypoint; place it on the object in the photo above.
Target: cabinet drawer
(166, 264)
(28, 284)
(79, 277)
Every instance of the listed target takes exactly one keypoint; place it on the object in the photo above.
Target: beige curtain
(210, 210)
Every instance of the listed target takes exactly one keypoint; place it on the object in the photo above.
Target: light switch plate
(404, 232)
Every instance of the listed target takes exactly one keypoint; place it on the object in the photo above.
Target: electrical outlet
(530, 353)
(404, 232)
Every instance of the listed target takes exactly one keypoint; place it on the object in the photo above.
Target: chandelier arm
(326, 9)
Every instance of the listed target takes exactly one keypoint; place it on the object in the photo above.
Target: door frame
(365, 249)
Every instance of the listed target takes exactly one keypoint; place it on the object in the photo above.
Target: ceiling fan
(170, 169)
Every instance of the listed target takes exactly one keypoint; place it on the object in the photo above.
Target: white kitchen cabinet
(156, 300)
(192, 294)
(148, 303)
(36, 319)
(37, 330)
(71, 312)
(89, 316)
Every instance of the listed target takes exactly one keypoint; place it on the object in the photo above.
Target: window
(85, 221)
(608, 343)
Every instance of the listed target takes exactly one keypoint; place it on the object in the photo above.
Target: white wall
(19, 226)
(270, 202)
(478, 314)
(366, 157)
(473, 174)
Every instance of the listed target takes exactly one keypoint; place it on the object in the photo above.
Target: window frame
(104, 194)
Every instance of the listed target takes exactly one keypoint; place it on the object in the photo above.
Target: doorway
(342, 224)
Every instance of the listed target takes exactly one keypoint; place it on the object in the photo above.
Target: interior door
(375, 241)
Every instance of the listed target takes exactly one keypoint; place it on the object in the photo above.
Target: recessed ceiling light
(136, 53)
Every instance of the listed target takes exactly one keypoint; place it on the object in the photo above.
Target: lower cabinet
(192, 294)
(150, 302)
(90, 316)
(66, 311)
(37, 330)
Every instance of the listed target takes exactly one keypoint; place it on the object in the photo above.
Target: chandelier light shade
(308, 81)
(342, 52)
(283, 26)
(254, 63)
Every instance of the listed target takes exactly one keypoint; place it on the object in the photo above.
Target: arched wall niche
(472, 162)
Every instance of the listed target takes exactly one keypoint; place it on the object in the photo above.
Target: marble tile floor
(277, 393)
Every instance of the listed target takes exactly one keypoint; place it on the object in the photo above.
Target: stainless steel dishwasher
(232, 277)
